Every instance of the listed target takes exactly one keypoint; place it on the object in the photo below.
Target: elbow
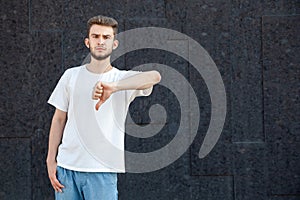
(157, 76)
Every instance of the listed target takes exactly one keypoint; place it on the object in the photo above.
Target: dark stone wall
(255, 45)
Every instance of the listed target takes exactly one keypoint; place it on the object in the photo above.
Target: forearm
(55, 136)
(139, 81)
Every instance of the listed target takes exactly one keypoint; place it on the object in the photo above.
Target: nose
(101, 40)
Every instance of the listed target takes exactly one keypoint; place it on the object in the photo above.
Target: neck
(99, 66)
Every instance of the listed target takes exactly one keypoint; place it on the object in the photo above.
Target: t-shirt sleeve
(60, 95)
(131, 94)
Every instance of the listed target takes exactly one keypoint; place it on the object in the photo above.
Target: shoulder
(73, 69)
(69, 73)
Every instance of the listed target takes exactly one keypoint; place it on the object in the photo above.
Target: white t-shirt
(93, 141)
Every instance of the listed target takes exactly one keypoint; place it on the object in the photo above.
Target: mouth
(100, 48)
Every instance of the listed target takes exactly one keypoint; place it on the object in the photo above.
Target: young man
(91, 104)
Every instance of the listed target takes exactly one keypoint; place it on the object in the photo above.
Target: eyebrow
(105, 35)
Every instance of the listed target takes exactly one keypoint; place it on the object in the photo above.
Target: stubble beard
(100, 57)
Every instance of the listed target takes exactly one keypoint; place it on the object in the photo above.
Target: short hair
(102, 20)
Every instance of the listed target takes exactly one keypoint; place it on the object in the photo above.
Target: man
(86, 140)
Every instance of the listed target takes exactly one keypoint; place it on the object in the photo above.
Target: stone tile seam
(252, 142)
(29, 15)
(262, 80)
(146, 18)
(212, 175)
(285, 195)
(46, 31)
(14, 137)
(284, 15)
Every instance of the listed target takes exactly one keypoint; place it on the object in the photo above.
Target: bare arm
(139, 81)
(55, 136)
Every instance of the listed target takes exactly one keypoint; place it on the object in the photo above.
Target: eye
(106, 37)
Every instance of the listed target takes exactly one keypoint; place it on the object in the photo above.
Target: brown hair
(102, 20)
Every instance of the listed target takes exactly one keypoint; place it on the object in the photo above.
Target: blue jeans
(86, 185)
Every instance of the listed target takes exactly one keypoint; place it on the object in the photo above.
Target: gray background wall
(255, 45)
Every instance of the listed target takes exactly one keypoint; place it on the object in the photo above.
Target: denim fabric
(86, 185)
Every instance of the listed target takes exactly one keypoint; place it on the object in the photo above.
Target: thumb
(99, 103)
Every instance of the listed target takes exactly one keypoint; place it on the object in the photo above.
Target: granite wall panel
(15, 88)
(283, 169)
(142, 105)
(281, 7)
(76, 13)
(132, 23)
(46, 15)
(285, 197)
(246, 54)
(174, 182)
(213, 188)
(208, 24)
(137, 9)
(16, 21)
(255, 46)
(211, 31)
(140, 186)
(217, 162)
(15, 80)
(74, 50)
(68, 15)
(45, 69)
(15, 169)
(180, 179)
(140, 57)
(250, 171)
(176, 12)
(246, 101)
(41, 187)
(281, 78)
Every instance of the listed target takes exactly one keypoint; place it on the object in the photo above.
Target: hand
(57, 186)
(102, 92)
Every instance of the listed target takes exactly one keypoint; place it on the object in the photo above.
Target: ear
(87, 42)
(116, 44)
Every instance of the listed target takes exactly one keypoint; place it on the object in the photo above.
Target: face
(101, 41)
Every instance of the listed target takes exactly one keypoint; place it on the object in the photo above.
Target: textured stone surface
(281, 7)
(15, 115)
(281, 78)
(15, 89)
(45, 69)
(246, 101)
(288, 197)
(46, 15)
(209, 26)
(41, 187)
(250, 170)
(255, 45)
(283, 169)
(137, 9)
(133, 189)
(213, 187)
(168, 99)
(76, 13)
(15, 169)
(74, 49)
(246, 55)
(217, 162)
